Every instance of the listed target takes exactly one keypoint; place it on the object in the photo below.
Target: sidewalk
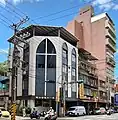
(22, 118)
(42, 118)
(26, 118)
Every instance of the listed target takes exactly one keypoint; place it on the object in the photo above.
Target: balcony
(110, 26)
(4, 93)
(91, 83)
(88, 67)
(102, 96)
(110, 61)
(101, 88)
(110, 35)
(110, 45)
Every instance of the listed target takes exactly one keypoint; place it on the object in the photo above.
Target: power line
(4, 23)
(9, 11)
(60, 17)
(6, 18)
(55, 13)
(16, 9)
(67, 10)
(19, 11)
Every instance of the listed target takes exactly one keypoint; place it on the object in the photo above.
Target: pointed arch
(73, 73)
(42, 46)
(45, 69)
(65, 66)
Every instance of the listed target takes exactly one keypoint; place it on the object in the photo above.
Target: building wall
(94, 37)
(19, 74)
(57, 41)
(76, 29)
(99, 46)
(116, 88)
(84, 18)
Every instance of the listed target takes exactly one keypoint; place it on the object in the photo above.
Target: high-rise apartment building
(97, 36)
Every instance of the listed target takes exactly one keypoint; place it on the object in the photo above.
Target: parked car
(100, 110)
(3, 112)
(111, 111)
(76, 111)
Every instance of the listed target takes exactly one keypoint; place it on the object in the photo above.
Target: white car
(3, 112)
(76, 111)
(100, 110)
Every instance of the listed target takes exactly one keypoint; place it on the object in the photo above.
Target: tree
(3, 68)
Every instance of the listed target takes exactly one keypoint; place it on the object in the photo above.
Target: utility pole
(64, 98)
(15, 64)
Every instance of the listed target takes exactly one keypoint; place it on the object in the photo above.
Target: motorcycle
(35, 115)
(108, 112)
(42, 114)
(50, 117)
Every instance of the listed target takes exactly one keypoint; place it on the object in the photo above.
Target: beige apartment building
(96, 34)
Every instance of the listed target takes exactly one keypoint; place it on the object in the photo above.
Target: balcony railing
(110, 61)
(108, 35)
(110, 26)
(4, 93)
(88, 83)
(88, 67)
(109, 44)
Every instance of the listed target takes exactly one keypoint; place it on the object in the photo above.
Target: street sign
(116, 99)
(58, 95)
(80, 81)
(0, 85)
(3, 86)
(81, 91)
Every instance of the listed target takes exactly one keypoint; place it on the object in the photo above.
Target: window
(50, 47)
(41, 48)
(73, 74)
(45, 65)
(25, 65)
(65, 65)
(88, 92)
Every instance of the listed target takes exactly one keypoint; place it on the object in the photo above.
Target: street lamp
(62, 83)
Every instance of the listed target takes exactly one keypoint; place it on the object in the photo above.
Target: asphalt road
(93, 117)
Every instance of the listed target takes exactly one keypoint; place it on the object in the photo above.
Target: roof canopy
(36, 30)
(3, 78)
(88, 54)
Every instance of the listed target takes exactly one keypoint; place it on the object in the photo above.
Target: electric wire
(79, 5)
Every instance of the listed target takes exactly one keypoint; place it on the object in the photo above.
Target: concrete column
(6, 102)
(31, 103)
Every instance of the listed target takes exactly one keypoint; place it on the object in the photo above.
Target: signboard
(81, 91)
(58, 95)
(3, 86)
(116, 99)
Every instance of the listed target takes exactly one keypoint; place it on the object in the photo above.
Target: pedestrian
(24, 113)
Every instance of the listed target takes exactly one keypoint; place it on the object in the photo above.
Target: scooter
(35, 115)
(108, 112)
(50, 117)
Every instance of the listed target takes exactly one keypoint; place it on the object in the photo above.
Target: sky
(48, 12)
